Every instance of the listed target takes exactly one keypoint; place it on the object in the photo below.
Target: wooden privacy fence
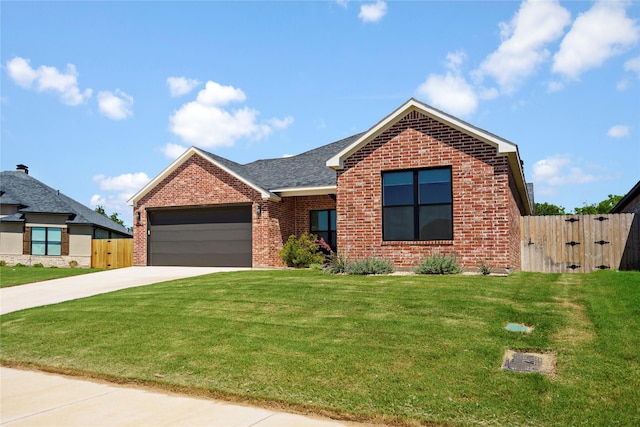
(580, 243)
(111, 253)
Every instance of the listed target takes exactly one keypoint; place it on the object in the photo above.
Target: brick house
(418, 182)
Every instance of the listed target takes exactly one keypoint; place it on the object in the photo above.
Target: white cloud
(205, 123)
(281, 123)
(596, 35)
(181, 85)
(129, 183)
(450, 91)
(633, 66)
(217, 95)
(524, 38)
(555, 86)
(48, 79)
(560, 170)
(122, 188)
(619, 131)
(342, 3)
(173, 151)
(21, 72)
(373, 12)
(116, 106)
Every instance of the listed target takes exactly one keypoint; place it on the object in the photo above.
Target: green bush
(484, 268)
(337, 264)
(439, 264)
(19, 265)
(73, 263)
(3, 263)
(370, 265)
(301, 252)
(38, 265)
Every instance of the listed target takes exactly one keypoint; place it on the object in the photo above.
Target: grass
(13, 276)
(391, 349)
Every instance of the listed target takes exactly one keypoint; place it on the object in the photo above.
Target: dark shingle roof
(303, 170)
(32, 196)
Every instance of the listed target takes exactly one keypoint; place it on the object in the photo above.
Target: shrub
(439, 264)
(484, 268)
(38, 265)
(337, 264)
(19, 265)
(73, 263)
(370, 265)
(301, 252)
(3, 263)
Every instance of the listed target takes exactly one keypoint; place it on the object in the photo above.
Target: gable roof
(503, 147)
(303, 174)
(32, 196)
(313, 172)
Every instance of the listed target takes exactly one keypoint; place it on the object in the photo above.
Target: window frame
(48, 242)
(331, 233)
(416, 204)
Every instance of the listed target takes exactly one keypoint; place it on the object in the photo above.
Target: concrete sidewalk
(31, 398)
(69, 288)
(36, 399)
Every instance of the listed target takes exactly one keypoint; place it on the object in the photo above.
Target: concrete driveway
(85, 285)
(29, 398)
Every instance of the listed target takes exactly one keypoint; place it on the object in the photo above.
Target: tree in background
(113, 217)
(548, 209)
(604, 207)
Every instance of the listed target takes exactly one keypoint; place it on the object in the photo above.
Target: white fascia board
(503, 146)
(305, 191)
(266, 195)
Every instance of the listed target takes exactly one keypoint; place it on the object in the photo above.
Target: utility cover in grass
(518, 327)
(542, 363)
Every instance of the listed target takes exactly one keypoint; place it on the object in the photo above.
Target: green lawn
(389, 349)
(12, 276)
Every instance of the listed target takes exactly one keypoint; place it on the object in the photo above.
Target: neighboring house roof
(313, 172)
(32, 196)
(632, 194)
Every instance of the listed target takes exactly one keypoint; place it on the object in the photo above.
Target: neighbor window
(46, 241)
(323, 225)
(417, 205)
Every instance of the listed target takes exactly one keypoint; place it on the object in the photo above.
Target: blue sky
(99, 97)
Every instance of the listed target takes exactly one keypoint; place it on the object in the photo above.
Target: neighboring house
(41, 225)
(417, 183)
(630, 203)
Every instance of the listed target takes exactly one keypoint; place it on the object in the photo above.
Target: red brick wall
(195, 182)
(482, 199)
(198, 182)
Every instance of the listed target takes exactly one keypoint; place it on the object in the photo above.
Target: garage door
(203, 237)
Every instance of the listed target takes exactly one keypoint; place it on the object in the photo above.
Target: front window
(323, 225)
(46, 241)
(417, 205)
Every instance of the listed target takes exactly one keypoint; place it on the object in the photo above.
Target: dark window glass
(398, 188)
(323, 225)
(417, 205)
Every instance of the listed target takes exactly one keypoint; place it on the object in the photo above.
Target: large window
(417, 205)
(46, 241)
(323, 225)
